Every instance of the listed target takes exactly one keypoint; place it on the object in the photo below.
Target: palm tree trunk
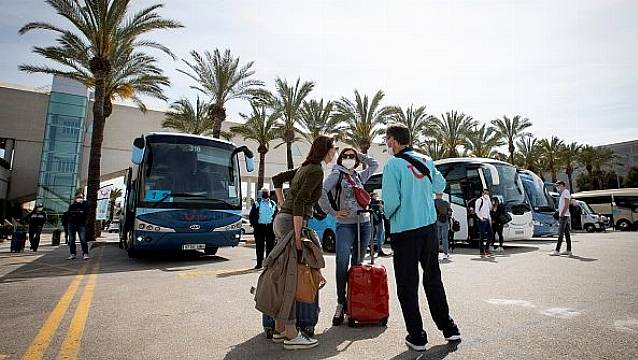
(218, 113)
(111, 209)
(291, 165)
(511, 149)
(95, 156)
(569, 179)
(262, 170)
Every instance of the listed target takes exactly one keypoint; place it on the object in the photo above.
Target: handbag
(360, 194)
(456, 225)
(309, 281)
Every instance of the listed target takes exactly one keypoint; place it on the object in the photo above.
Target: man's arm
(565, 208)
(391, 189)
(372, 166)
(438, 181)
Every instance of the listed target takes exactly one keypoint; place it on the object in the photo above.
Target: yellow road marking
(41, 342)
(71, 345)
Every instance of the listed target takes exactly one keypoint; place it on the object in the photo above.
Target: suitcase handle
(359, 213)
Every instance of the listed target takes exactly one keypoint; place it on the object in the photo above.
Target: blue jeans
(442, 229)
(485, 230)
(81, 231)
(346, 245)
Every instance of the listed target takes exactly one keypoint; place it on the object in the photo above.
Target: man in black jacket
(78, 212)
(37, 218)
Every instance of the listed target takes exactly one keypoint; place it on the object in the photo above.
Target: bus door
(473, 189)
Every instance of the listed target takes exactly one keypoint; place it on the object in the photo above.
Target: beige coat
(277, 284)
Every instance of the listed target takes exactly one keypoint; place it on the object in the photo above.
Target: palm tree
(433, 149)
(222, 79)
(416, 120)
(528, 155)
(100, 49)
(363, 118)
(115, 194)
(316, 119)
(287, 102)
(453, 129)
(184, 117)
(603, 157)
(482, 142)
(512, 129)
(569, 158)
(550, 155)
(262, 128)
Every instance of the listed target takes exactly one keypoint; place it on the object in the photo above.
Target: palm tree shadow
(581, 258)
(437, 352)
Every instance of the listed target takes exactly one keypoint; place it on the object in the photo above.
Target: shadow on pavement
(113, 260)
(332, 342)
(434, 353)
(508, 250)
(585, 259)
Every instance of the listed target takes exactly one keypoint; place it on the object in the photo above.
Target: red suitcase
(368, 296)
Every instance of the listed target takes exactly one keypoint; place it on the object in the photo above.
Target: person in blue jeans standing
(78, 212)
(339, 199)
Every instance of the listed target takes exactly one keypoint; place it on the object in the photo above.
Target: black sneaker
(338, 317)
(452, 333)
(416, 343)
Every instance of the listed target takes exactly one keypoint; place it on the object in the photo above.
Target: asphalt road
(524, 304)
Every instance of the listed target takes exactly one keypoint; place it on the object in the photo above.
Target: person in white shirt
(483, 205)
(563, 220)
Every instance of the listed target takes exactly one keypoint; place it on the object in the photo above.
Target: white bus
(466, 178)
(619, 205)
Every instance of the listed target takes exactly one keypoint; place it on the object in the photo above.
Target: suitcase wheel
(352, 323)
(384, 322)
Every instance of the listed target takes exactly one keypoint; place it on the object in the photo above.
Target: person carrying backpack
(37, 218)
(443, 216)
(261, 217)
(343, 189)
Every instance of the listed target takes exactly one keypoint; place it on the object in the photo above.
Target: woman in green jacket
(306, 184)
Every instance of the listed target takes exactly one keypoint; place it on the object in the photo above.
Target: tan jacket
(277, 284)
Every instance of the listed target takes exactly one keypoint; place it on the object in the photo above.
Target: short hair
(399, 132)
(560, 183)
(356, 156)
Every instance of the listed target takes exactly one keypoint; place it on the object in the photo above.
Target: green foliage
(186, 118)
(453, 130)
(418, 121)
(482, 142)
(512, 129)
(631, 180)
(316, 119)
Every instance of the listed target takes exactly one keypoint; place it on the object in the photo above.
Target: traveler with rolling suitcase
(409, 182)
(368, 295)
(19, 238)
(344, 197)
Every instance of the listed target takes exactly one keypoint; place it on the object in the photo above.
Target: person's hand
(280, 203)
(342, 214)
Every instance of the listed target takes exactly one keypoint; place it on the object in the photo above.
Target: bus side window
(475, 184)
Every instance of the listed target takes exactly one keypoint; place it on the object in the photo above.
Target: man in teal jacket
(408, 191)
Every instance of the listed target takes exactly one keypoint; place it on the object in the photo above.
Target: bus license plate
(520, 232)
(194, 247)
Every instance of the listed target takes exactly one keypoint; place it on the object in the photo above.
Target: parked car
(246, 228)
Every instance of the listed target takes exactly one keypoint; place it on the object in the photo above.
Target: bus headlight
(536, 223)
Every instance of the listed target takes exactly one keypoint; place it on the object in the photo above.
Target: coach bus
(619, 205)
(542, 204)
(183, 193)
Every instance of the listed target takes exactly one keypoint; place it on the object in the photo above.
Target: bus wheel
(590, 228)
(624, 225)
(329, 242)
(210, 250)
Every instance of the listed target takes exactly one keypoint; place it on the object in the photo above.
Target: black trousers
(412, 248)
(34, 239)
(498, 229)
(264, 234)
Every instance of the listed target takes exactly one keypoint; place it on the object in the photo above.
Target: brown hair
(399, 132)
(319, 149)
(356, 157)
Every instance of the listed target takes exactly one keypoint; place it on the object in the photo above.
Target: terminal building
(45, 138)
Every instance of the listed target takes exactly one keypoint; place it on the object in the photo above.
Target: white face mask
(390, 151)
(348, 163)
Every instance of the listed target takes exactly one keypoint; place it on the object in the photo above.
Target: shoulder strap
(334, 200)
(419, 165)
(481, 206)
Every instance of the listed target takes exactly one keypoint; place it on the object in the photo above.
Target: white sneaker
(72, 257)
(85, 257)
(278, 338)
(568, 253)
(554, 253)
(446, 256)
(301, 342)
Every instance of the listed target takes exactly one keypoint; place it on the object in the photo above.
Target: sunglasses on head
(349, 156)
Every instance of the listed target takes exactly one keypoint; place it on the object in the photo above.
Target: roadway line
(42, 340)
(71, 345)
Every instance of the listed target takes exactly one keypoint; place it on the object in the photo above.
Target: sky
(571, 67)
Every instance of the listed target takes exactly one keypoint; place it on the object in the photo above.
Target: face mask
(348, 163)
(265, 195)
(390, 151)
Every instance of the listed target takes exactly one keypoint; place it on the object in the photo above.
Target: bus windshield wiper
(167, 195)
(201, 197)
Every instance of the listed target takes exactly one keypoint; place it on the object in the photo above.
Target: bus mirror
(250, 164)
(249, 157)
(496, 180)
(138, 150)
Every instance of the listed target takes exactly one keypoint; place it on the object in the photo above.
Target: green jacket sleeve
(283, 177)
(309, 184)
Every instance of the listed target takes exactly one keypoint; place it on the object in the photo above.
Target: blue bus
(183, 193)
(542, 204)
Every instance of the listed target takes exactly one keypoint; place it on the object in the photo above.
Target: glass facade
(60, 164)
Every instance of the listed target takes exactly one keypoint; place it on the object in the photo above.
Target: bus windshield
(587, 208)
(538, 196)
(190, 174)
(510, 189)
